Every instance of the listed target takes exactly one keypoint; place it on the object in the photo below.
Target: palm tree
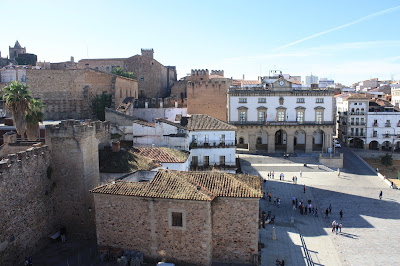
(17, 97)
(33, 117)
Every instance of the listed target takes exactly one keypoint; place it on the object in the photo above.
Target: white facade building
(279, 116)
(326, 83)
(311, 80)
(211, 142)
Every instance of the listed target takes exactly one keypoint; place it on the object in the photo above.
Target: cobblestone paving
(370, 234)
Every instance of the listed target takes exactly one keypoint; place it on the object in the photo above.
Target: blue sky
(348, 41)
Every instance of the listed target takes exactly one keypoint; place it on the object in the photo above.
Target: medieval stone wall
(74, 160)
(141, 224)
(124, 88)
(68, 93)
(235, 229)
(103, 65)
(208, 97)
(27, 204)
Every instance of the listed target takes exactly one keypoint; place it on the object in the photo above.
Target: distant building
(16, 50)
(155, 80)
(188, 218)
(311, 80)
(326, 83)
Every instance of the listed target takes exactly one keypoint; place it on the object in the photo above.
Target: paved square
(370, 234)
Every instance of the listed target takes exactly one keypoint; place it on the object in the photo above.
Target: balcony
(281, 123)
(374, 135)
(205, 145)
(357, 134)
(194, 167)
(357, 113)
(375, 124)
(386, 135)
(387, 124)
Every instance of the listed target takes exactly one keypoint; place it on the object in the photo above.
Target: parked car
(337, 145)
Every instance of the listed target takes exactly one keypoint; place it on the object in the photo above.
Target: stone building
(187, 217)
(207, 94)
(16, 50)
(71, 64)
(277, 116)
(155, 80)
(68, 94)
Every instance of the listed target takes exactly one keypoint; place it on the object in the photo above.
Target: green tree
(387, 159)
(120, 72)
(33, 118)
(99, 103)
(17, 98)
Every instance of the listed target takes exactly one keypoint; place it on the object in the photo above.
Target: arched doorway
(300, 140)
(357, 143)
(397, 147)
(386, 146)
(280, 140)
(318, 140)
(242, 143)
(374, 145)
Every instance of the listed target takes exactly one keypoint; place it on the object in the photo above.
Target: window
(195, 160)
(205, 139)
(261, 116)
(262, 100)
(259, 140)
(300, 100)
(241, 140)
(222, 139)
(362, 121)
(141, 78)
(281, 115)
(194, 138)
(352, 121)
(357, 121)
(300, 116)
(206, 160)
(176, 218)
(374, 133)
(352, 132)
(242, 100)
(242, 117)
(355, 103)
(318, 117)
(221, 160)
(361, 132)
(108, 68)
(320, 100)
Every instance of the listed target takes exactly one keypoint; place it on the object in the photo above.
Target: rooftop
(199, 122)
(200, 186)
(160, 154)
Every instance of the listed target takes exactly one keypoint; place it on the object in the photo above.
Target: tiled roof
(144, 123)
(250, 82)
(357, 96)
(170, 123)
(206, 122)
(157, 154)
(202, 186)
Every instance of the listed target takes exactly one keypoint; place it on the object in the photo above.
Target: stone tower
(75, 166)
(16, 50)
(148, 53)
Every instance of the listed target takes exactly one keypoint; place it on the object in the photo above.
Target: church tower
(16, 50)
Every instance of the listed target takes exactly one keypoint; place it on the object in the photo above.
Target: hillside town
(117, 161)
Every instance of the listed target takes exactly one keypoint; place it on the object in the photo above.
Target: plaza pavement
(370, 234)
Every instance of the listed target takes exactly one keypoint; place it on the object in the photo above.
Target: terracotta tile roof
(202, 186)
(144, 123)
(157, 154)
(250, 82)
(357, 96)
(206, 122)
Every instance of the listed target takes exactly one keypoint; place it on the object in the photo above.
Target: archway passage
(300, 140)
(386, 146)
(374, 145)
(280, 140)
(357, 143)
(318, 140)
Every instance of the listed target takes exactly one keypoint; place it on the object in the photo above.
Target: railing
(386, 135)
(357, 113)
(226, 144)
(374, 135)
(306, 252)
(375, 124)
(194, 167)
(387, 124)
(281, 123)
(357, 135)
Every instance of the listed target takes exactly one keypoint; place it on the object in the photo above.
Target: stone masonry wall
(208, 97)
(235, 229)
(141, 224)
(27, 194)
(68, 93)
(125, 87)
(74, 159)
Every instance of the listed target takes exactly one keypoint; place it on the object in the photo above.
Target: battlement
(77, 128)
(148, 53)
(16, 162)
(199, 72)
(217, 73)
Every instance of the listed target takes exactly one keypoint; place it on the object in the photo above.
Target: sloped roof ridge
(191, 180)
(243, 183)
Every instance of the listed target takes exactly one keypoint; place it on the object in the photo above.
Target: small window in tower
(141, 78)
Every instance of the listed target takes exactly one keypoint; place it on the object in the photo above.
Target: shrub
(387, 159)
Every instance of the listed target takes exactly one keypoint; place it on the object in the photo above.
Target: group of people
(304, 208)
(271, 175)
(267, 218)
(336, 227)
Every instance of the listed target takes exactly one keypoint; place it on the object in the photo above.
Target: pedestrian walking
(264, 217)
(340, 227)
(275, 199)
(270, 196)
(295, 178)
(279, 202)
(273, 174)
(338, 172)
(304, 188)
(316, 212)
(337, 228)
(269, 214)
(380, 195)
(333, 225)
(301, 174)
(330, 208)
(377, 170)
(341, 214)
(327, 213)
